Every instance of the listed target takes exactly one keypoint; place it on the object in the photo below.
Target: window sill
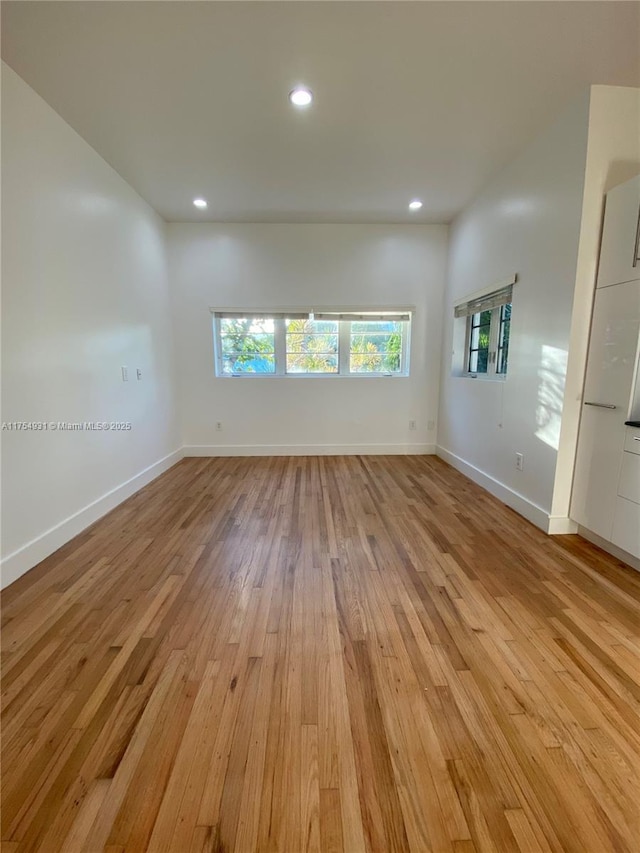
(478, 377)
(313, 376)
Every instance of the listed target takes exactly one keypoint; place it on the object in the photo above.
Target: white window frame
(282, 362)
(344, 349)
(344, 343)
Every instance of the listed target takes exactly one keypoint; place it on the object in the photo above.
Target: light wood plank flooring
(325, 654)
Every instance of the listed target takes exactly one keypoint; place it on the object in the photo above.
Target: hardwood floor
(326, 654)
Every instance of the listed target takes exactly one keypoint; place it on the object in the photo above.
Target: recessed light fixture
(300, 96)
(199, 203)
(416, 204)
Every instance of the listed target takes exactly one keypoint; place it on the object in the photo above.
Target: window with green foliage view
(488, 342)
(312, 346)
(247, 345)
(306, 345)
(375, 346)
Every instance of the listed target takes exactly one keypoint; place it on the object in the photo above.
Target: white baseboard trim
(308, 449)
(16, 564)
(609, 547)
(532, 512)
(561, 524)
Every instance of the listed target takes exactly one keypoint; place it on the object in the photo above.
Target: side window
(488, 341)
(482, 332)
(503, 339)
(479, 338)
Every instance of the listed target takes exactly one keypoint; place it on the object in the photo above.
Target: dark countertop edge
(632, 423)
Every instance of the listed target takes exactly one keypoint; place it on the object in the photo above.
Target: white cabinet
(632, 440)
(607, 398)
(606, 485)
(626, 526)
(629, 481)
(619, 248)
(626, 519)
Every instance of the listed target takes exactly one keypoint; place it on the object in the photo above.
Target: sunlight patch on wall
(552, 374)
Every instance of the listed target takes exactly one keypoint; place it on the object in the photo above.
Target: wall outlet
(431, 425)
(520, 461)
(218, 426)
(139, 373)
(125, 374)
(412, 424)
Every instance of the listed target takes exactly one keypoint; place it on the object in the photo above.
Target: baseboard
(560, 525)
(16, 564)
(308, 449)
(609, 547)
(532, 512)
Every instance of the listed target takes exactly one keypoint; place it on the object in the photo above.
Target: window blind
(485, 303)
(397, 315)
(327, 315)
(260, 315)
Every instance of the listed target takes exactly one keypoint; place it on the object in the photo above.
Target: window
(479, 336)
(312, 346)
(317, 343)
(503, 339)
(248, 345)
(375, 346)
(488, 327)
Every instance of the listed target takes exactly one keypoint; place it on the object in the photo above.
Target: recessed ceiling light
(300, 96)
(416, 204)
(199, 202)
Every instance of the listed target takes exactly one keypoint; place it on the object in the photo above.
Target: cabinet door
(626, 526)
(619, 248)
(610, 370)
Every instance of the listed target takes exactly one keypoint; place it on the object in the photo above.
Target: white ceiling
(422, 99)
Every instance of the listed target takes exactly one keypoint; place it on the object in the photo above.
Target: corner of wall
(29, 555)
(522, 505)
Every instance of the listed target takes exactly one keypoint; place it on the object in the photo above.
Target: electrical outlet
(125, 374)
(218, 426)
(520, 461)
(431, 425)
(139, 373)
(412, 424)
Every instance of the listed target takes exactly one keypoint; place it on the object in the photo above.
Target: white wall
(257, 266)
(527, 220)
(613, 156)
(84, 291)
(541, 218)
(91, 276)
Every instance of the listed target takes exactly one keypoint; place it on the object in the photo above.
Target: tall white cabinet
(620, 246)
(606, 493)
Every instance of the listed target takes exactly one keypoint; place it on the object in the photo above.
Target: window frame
(283, 361)
(345, 352)
(502, 322)
(219, 355)
(495, 325)
(344, 347)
